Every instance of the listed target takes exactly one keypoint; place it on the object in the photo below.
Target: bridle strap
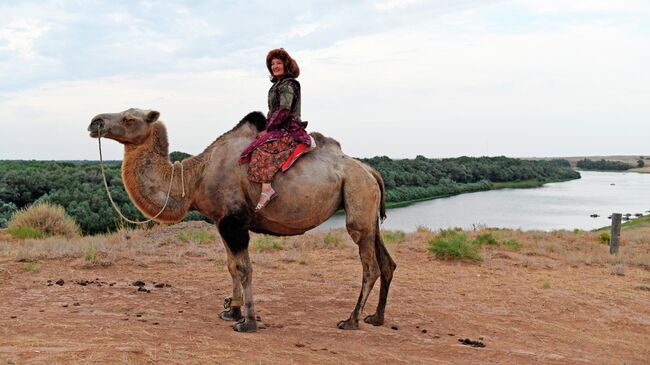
(117, 209)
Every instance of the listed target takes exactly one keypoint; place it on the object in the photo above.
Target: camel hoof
(374, 320)
(348, 325)
(245, 325)
(233, 314)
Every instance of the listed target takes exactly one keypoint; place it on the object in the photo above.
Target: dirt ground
(525, 307)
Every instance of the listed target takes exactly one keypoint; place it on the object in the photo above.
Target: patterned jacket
(285, 93)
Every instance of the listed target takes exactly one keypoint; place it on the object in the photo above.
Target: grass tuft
(604, 238)
(31, 266)
(453, 245)
(512, 244)
(43, 218)
(196, 236)
(265, 243)
(486, 239)
(393, 237)
(332, 239)
(24, 233)
(91, 253)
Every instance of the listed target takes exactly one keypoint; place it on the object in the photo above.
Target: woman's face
(277, 67)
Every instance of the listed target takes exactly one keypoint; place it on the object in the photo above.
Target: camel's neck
(146, 173)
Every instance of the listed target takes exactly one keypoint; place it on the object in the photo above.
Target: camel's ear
(152, 116)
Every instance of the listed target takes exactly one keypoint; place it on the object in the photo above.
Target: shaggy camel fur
(321, 182)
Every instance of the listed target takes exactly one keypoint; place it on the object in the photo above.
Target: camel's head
(131, 126)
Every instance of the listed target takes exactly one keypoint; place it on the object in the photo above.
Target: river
(565, 205)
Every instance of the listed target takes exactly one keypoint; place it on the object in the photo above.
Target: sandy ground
(526, 308)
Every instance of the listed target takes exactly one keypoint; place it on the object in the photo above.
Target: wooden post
(616, 233)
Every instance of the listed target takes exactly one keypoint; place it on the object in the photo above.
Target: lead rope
(169, 190)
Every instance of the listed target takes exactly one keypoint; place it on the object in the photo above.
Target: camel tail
(386, 266)
(386, 263)
(382, 188)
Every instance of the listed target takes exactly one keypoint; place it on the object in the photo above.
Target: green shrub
(485, 239)
(512, 244)
(6, 211)
(453, 245)
(449, 231)
(200, 236)
(604, 238)
(266, 243)
(488, 239)
(25, 232)
(46, 218)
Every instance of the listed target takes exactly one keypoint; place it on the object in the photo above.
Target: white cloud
(393, 4)
(603, 6)
(301, 30)
(466, 91)
(20, 35)
(470, 82)
(196, 107)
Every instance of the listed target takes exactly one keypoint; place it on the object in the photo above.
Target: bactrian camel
(312, 190)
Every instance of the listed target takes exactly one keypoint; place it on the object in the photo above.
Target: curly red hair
(291, 68)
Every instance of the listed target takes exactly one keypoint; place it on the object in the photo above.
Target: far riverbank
(522, 184)
(565, 205)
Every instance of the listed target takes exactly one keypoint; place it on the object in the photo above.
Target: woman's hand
(261, 134)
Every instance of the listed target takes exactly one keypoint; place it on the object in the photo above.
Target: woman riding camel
(284, 129)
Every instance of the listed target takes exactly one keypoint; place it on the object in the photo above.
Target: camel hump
(321, 140)
(255, 118)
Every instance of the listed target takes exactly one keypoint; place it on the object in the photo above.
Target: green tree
(178, 156)
(6, 211)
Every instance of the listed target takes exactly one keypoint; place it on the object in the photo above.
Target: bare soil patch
(154, 299)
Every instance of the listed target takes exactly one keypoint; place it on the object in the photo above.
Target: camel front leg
(232, 305)
(239, 264)
(245, 272)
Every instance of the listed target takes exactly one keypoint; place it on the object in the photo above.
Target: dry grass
(161, 244)
(140, 246)
(42, 220)
(570, 247)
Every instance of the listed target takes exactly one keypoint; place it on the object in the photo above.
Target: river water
(566, 205)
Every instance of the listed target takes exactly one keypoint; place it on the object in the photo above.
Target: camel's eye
(129, 122)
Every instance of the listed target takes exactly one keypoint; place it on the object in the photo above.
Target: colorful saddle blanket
(300, 149)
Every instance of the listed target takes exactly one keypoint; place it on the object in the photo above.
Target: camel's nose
(97, 124)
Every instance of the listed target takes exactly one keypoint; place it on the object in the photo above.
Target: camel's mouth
(97, 128)
(97, 134)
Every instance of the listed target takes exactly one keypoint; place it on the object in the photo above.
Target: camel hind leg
(361, 200)
(371, 272)
(387, 266)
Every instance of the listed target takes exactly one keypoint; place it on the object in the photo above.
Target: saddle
(297, 152)
(300, 149)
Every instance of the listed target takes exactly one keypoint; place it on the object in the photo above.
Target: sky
(396, 78)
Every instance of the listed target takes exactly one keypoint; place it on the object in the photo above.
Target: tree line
(78, 187)
(605, 165)
(419, 178)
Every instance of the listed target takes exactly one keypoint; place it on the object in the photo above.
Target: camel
(312, 190)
